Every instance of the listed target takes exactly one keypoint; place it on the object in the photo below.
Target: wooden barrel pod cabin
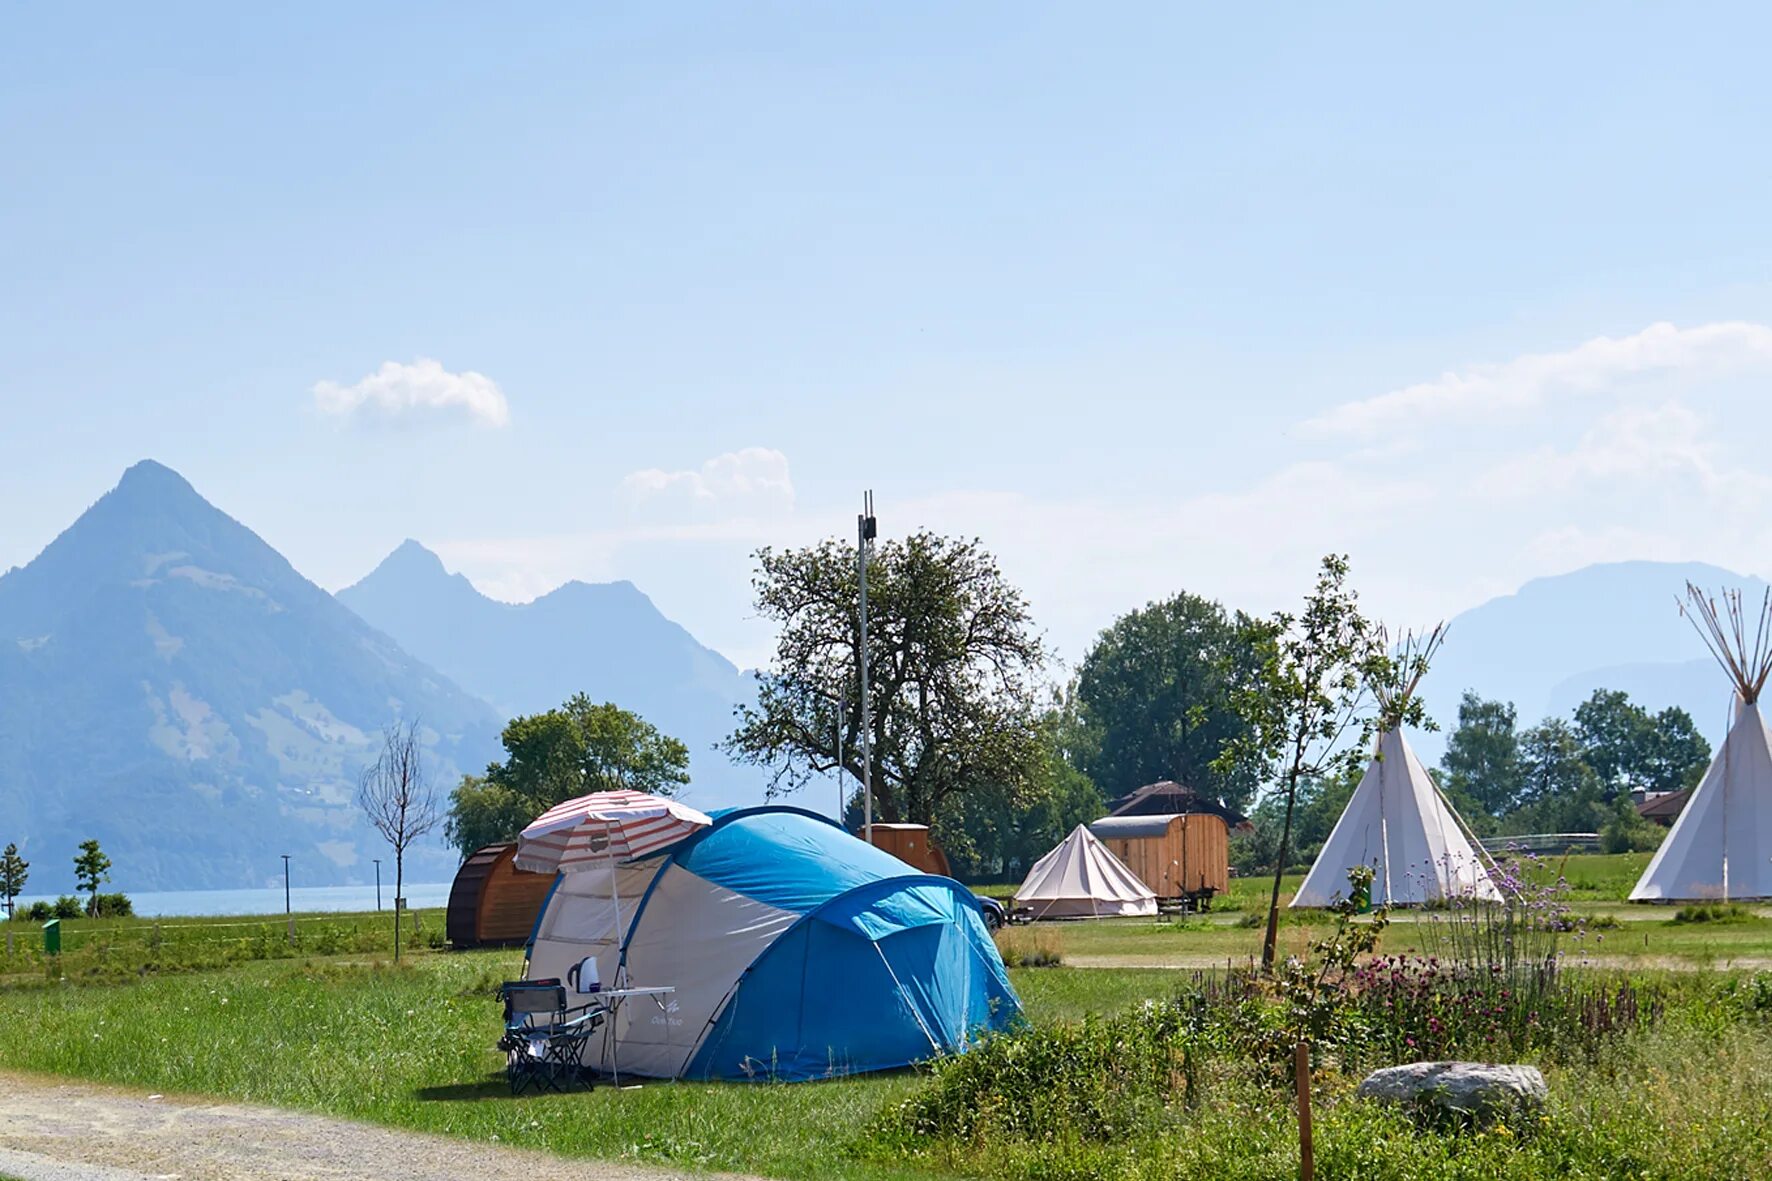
(493, 903)
(913, 845)
(1174, 855)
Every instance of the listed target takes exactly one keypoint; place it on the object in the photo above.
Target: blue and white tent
(796, 951)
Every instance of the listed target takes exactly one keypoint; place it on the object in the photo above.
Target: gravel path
(54, 1130)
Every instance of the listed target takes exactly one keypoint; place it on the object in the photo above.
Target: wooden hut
(1175, 855)
(493, 903)
(914, 845)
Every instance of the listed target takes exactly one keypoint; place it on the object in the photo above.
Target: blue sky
(1149, 299)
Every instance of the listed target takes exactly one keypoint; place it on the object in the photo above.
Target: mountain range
(606, 640)
(172, 686)
(1549, 645)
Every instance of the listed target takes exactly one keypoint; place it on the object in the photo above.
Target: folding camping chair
(544, 1039)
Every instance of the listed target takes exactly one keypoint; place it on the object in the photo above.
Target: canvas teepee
(1721, 845)
(1081, 879)
(1397, 821)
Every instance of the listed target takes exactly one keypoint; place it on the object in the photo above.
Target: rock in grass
(1478, 1092)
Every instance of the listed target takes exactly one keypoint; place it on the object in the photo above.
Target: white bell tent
(1720, 848)
(1398, 821)
(1080, 879)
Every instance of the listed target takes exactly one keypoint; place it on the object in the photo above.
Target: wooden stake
(1307, 1167)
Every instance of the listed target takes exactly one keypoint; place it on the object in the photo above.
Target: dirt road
(53, 1130)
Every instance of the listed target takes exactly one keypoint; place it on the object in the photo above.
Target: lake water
(329, 899)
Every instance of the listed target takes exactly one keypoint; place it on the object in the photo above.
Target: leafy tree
(397, 795)
(91, 868)
(1614, 735)
(1678, 756)
(1625, 830)
(1306, 702)
(579, 748)
(14, 872)
(984, 833)
(1560, 792)
(1156, 691)
(952, 664)
(1631, 749)
(1482, 760)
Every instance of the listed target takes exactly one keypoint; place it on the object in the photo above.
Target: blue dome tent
(796, 951)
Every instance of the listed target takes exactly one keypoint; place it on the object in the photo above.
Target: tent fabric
(1398, 823)
(913, 950)
(1081, 879)
(1721, 845)
(888, 956)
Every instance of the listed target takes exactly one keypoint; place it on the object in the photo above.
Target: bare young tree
(397, 795)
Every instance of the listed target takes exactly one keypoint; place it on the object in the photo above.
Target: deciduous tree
(1307, 702)
(1156, 691)
(1482, 760)
(550, 757)
(953, 660)
(396, 794)
(91, 869)
(14, 872)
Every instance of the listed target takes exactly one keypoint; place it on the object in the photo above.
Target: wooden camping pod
(1173, 855)
(914, 845)
(493, 903)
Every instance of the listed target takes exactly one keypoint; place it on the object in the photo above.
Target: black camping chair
(544, 1039)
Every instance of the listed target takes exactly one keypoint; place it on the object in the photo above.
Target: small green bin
(52, 937)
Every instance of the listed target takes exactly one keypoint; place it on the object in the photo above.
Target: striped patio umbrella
(603, 828)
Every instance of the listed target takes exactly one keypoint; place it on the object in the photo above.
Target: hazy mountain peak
(606, 639)
(150, 476)
(174, 687)
(411, 558)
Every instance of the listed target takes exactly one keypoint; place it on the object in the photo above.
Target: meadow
(1655, 1067)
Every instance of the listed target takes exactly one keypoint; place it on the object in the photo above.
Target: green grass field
(226, 1008)
(113, 948)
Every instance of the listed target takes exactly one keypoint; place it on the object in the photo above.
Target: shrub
(110, 906)
(68, 907)
(1713, 912)
(1094, 1080)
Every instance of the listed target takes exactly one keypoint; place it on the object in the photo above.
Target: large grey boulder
(1479, 1091)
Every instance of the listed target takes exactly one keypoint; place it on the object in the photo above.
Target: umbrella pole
(620, 957)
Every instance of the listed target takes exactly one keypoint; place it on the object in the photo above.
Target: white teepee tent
(1397, 821)
(1081, 879)
(1721, 845)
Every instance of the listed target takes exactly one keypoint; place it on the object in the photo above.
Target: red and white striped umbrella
(603, 828)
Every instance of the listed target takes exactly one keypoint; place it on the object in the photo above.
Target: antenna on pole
(864, 546)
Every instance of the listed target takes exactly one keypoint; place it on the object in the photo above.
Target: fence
(1545, 842)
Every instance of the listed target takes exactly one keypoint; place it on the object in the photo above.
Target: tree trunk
(1270, 943)
(399, 877)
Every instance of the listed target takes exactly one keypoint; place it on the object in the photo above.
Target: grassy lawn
(227, 1009)
(95, 949)
(413, 1048)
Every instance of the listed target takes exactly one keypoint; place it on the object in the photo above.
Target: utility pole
(864, 545)
(377, 861)
(288, 915)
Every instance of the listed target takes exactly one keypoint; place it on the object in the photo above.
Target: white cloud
(1657, 459)
(751, 482)
(397, 391)
(1603, 364)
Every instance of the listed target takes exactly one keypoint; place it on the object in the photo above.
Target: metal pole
(288, 914)
(377, 885)
(864, 534)
(840, 768)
